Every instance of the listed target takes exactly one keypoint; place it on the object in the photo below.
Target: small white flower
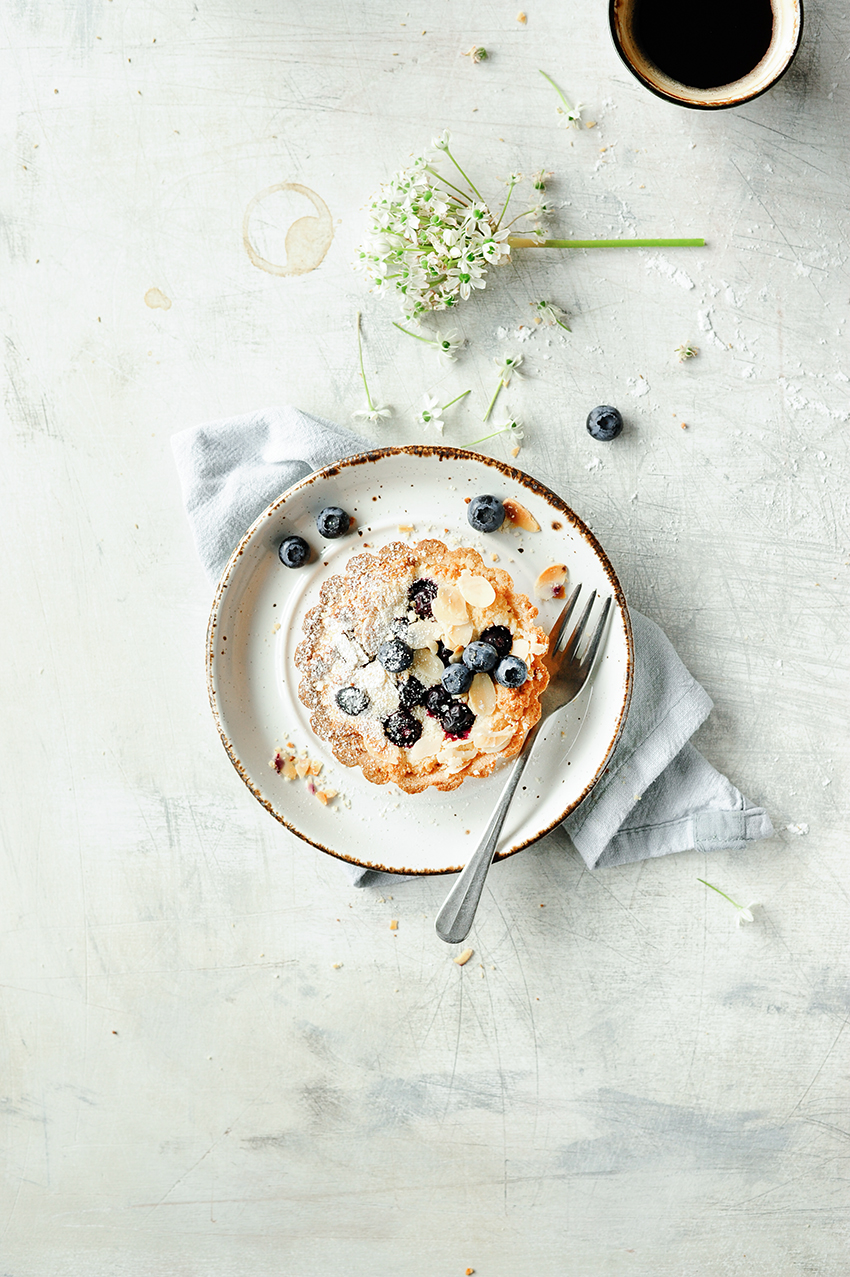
(431, 413)
(745, 912)
(508, 368)
(448, 344)
(476, 53)
(571, 114)
(686, 352)
(540, 178)
(373, 412)
(441, 141)
(550, 314)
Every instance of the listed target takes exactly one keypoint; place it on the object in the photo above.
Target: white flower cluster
(428, 241)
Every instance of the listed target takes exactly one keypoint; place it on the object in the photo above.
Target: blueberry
(480, 657)
(485, 514)
(511, 672)
(444, 653)
(437, 701)
(457, 679)
(421, 595)
(352, 700)
(457, 719)
(411, 692)
(332, 523)
(498, 636)
(395, 656)
(604, 423)
(402, 729)
(293, 552)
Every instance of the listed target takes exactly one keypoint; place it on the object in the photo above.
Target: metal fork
(568, 673)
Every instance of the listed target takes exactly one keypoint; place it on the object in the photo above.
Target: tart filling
(374, 660)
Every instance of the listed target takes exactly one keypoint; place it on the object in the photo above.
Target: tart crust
(356, 614)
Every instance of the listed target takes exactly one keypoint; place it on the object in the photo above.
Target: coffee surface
(704, 45)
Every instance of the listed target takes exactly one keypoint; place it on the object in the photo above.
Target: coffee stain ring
(307, 240)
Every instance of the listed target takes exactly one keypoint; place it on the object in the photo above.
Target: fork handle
(456, 916)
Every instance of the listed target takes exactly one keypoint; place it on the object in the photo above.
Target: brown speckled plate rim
(442, 453)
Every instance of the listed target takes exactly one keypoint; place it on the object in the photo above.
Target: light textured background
(620, 1081)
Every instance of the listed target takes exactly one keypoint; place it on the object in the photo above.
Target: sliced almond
(449, 607)
(521, 649)
(463, 958)
(551, 581)
(518, 515)
(302, 766)
(490, 741)
(459, 636)
(421, 634)
(427, 667)
(482, 695)
(477, 590)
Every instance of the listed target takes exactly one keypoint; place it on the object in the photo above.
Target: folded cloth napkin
(657, 794)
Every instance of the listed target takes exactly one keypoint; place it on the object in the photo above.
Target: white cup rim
(785, 41)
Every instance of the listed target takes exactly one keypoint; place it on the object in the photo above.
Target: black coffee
(703, 43)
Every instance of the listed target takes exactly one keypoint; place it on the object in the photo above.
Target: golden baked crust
(355, 615)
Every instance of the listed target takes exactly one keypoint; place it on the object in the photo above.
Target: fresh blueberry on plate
(293, 552)
(457, 719)
(395, 656)
(498, 636)
(604, 423)
(332, 523)
(411, 692)
(437, 701)
(511, 672)
(457, 679)
(420, 595)
(401, 728)
(480, 657)
(352, 700)
(485, 514)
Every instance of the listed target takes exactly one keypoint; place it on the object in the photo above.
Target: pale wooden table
(626, 1083)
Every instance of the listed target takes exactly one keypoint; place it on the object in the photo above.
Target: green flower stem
(567, 104)
(521, 241)
(451, 401)
(446, 182)
(418, 336)
(503, 430)
(720, 893)
(463, 175)
(362, 370)
(490, 405)
(505, 206)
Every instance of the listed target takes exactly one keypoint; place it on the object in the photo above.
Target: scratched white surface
(620, 1081)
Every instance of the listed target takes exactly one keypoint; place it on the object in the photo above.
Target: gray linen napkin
(657, 794)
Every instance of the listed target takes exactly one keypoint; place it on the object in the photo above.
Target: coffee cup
(707, 55)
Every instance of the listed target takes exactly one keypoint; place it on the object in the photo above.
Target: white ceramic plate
(256, 623)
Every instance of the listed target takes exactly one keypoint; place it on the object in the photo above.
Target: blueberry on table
(420, 595)
(411, 692)
(352, 700)
(457, 719)
(604, 423)
(293, 552)
(480, 657)
(511, 672)
(485, 514)
(401, 728)
(395, 656)
(332, 523)
(437, 700)
(457, 679)
(498, 636)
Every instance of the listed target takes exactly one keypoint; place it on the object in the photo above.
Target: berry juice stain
(705, 45)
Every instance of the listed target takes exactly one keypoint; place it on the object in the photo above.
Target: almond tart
(377, 647)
